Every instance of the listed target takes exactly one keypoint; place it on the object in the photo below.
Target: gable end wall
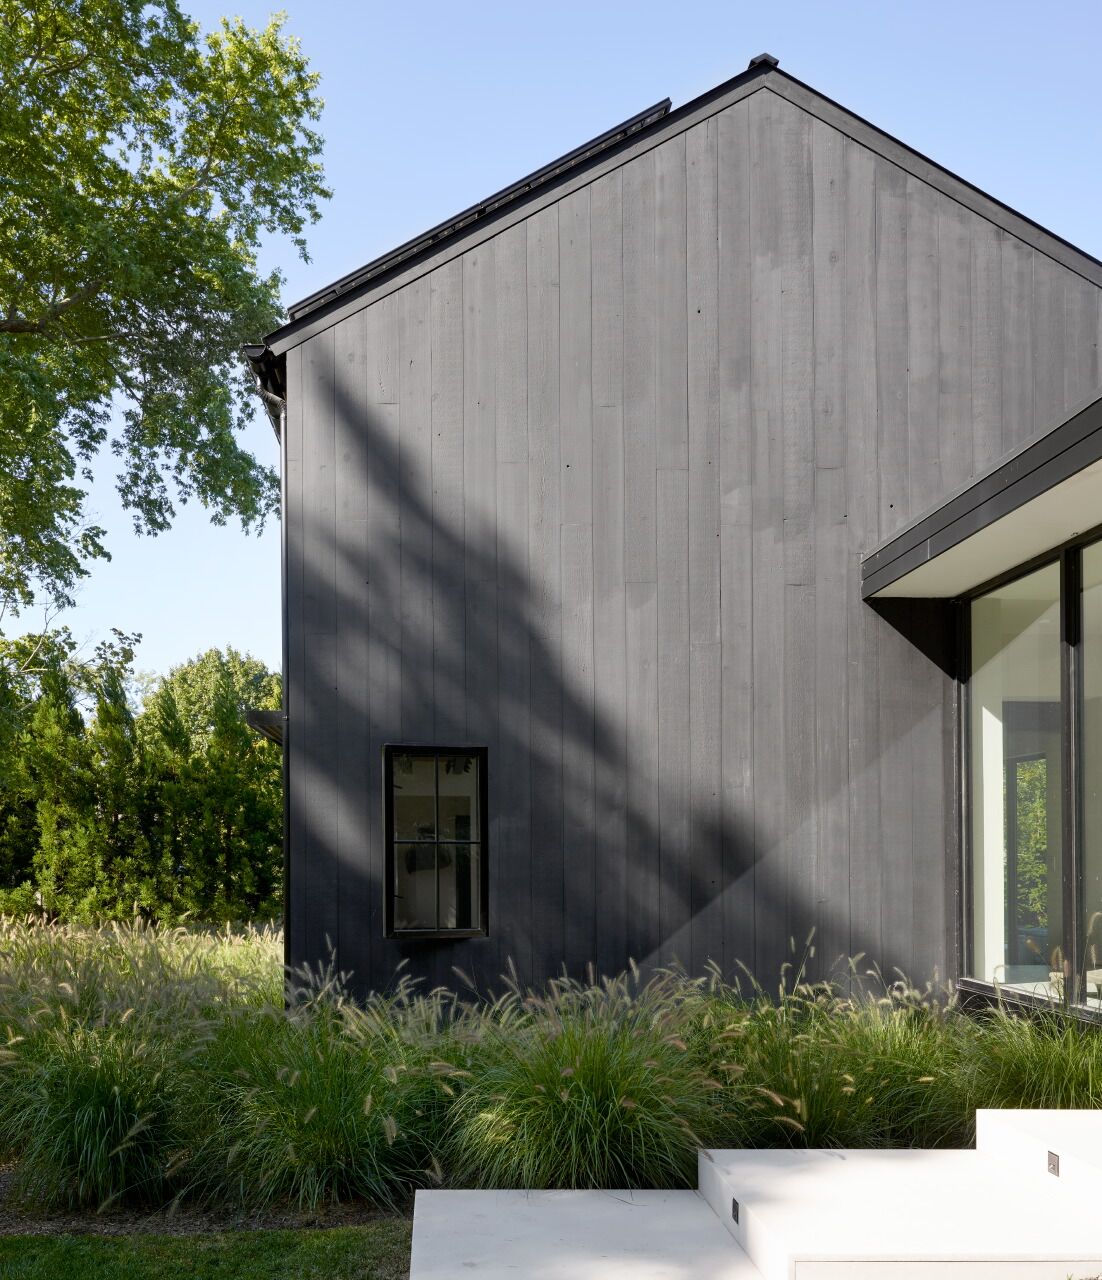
(594, 492)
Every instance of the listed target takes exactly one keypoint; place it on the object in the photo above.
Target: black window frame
(425, 751)
(1069, 556)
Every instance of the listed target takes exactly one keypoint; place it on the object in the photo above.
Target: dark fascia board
(590, 166)
(1031, 471)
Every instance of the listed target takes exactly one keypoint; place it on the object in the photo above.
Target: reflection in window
(1027, 860)
(435, 843)
(1017, 914)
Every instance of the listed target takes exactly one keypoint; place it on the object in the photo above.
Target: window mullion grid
(1071, 695)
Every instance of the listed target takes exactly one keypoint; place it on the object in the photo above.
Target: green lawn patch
(377, 1251)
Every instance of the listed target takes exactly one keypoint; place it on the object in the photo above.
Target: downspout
(271, 385)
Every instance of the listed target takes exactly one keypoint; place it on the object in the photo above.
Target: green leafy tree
(143, 163)
(221, 789)
(38, 712)
(99, 818)
(78, 812)
(1031, 810)
(174, 810)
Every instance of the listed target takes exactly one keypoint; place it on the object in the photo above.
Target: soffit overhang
(1044, 495)
(269, 724)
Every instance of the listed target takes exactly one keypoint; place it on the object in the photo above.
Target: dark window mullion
(1071, 693)
(390, 873)
(965, 799)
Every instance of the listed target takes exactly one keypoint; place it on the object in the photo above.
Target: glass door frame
(1069, 557)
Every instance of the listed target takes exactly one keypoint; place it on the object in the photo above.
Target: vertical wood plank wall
(594, 493)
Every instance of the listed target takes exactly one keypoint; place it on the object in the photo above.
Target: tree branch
(25, 324)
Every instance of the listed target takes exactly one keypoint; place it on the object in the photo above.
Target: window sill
(1022, 1002)
(434, 935)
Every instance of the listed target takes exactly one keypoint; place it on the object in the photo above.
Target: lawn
(378, 1251)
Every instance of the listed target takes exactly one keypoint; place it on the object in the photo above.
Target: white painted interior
(1062, 512)
(1015, 659)
(1091, 871)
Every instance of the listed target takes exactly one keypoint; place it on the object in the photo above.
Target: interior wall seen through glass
(1017, 902)
(437, 833)
(1091, 771)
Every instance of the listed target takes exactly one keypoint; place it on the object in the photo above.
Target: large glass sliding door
(1035, 780)
(1016, 784)
(1089, 880)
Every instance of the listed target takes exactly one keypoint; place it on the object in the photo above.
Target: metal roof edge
(654, 121)
(499, 200)
(941, 170)
(1039, 457)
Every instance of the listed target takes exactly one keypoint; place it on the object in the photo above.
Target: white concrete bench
(995, 1213)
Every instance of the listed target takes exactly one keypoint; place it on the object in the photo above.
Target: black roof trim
(506, 196)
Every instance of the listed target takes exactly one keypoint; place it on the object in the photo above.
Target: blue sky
(431, 106)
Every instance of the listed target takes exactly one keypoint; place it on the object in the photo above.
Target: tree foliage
(142, 163)
(172, 810)
(1031, 816)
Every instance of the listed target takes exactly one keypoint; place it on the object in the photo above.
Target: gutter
(270, 373)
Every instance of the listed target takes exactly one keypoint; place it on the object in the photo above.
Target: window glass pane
(459, 816)
(1017, 924)
(459, 886)
(414, 797)
(1091, 923)
(415, 886)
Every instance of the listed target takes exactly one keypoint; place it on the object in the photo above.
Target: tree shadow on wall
(425, 621)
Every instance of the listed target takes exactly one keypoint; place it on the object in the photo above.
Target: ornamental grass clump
(158, 976)
(92, 1112)
(838, 1064)
(141, 1065)
(101, 1029)
(316, 1104)
(583, 1086)
(1049, 1059)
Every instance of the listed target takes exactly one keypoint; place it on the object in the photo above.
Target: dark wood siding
(594, 493)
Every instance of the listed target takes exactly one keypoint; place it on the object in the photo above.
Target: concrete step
(572, 1235)
(907, 1215)
(1028, 1140)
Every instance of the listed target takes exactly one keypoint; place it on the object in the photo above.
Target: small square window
(435, 807)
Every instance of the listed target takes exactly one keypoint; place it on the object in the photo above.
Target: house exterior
(686, 550)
